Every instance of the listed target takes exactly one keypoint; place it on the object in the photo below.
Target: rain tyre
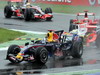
(41, 55)
(13, 50)
(77, 49)
(28, 14)
(48, 10)
(71, 25)
(8, 12)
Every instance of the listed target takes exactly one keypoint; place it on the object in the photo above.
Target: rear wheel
(41, 55)
(8, 12)
(48, 10)
(28, 14)
(13, 50)
(77, 49)
(97, 42)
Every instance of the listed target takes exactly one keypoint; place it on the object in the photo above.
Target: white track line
(4, 49)
(34, 32)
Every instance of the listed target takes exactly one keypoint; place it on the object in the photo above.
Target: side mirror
(26, 43)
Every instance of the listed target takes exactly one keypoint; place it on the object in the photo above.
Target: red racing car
(87, 28)
(27, 11)
(85, 17)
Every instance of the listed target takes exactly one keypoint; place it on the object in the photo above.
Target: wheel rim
(44, 56)
(80, 50)
(16, 50)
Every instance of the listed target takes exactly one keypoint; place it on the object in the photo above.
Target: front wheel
(12, 52)
(41, 55)
(28, 14)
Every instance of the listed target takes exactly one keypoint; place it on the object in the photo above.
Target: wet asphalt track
(58, 22)
(90, 59)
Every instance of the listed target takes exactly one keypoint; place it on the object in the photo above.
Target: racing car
(39, 50)
(88, 28)
(25, 10)
(85, 17)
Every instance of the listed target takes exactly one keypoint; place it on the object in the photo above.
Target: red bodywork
(18, 13)
(91, 25)
(19, 10)
(43, 16)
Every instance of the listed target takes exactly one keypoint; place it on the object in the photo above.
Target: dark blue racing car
(69, 45)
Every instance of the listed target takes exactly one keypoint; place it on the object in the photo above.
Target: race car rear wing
(83, 14)
(86, 14)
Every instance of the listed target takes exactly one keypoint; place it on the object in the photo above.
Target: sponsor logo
(68, 1)
(91, 2)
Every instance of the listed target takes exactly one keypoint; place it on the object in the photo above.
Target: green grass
(8, 35)
(63, 8)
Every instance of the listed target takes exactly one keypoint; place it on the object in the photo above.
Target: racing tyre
(71, 25)
(41, 55)
(97, 42)
(8, 12)
(13, 50)
(77, 49)
(48, 10)
(28, 14)
(48, 19)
